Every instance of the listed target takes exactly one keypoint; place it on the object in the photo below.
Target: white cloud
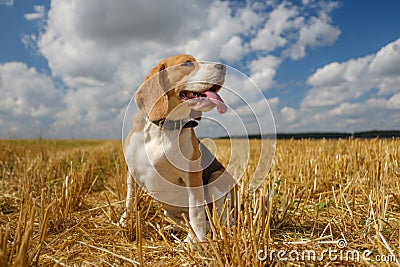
(288, 114)
(292, 27)
(95, 37)
(29, 101)
(394, 102)
(116, 23)
(356, 94)
(233, 50)
(370, 114)
(273, 102)
(259, 64)
(317, 33)
(250, 18)
(263, 70)
(101, 50)
(286, 118)
(29, 41)
(38, 14)
(336, 82)
(219, 28)
(7, 2)
(271, 36)
(386, 61)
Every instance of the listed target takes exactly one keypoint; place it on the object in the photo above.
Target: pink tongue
(217, 100)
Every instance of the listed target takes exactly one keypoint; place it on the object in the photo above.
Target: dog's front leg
(128, 201)
(197, 216)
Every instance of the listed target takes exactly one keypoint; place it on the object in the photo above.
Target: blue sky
(69, 68)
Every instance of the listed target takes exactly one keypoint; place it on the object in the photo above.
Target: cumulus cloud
(293, 28)
(100, 51)
(274, 102)
(336, 82)
(272, 35)
(233, 50)
(263, 70)
(352, 79)
(95, 37)
(317, 33)
(350, 95)
(29, 101)
(288, 114)
(115, 23)
(386, 62)
(220, 27)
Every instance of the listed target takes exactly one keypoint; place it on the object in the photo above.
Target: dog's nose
(220, 66)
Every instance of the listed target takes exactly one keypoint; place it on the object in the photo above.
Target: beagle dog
(162, 151)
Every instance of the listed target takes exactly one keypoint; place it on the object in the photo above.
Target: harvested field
(334, 202)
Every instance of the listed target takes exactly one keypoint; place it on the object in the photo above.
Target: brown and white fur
(166, 161)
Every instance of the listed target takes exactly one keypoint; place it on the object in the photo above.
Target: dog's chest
(170, 152)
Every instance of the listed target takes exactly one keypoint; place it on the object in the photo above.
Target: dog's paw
(188, 240)
(122, 221)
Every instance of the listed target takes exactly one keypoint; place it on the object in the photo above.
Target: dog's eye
(187, 63)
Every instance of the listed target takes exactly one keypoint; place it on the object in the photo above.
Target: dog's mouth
(211, 94)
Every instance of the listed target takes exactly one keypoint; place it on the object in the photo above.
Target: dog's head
(181, 85)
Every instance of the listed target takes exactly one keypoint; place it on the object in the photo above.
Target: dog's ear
(151, 96)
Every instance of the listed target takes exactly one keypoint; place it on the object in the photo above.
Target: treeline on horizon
(325, 135)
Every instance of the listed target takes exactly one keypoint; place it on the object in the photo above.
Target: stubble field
(325, 202)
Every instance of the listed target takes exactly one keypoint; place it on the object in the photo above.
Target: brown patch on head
(159, 92)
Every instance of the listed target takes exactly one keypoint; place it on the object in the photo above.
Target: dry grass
(60, 201)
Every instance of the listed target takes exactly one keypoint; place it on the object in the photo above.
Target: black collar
(175, 125)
